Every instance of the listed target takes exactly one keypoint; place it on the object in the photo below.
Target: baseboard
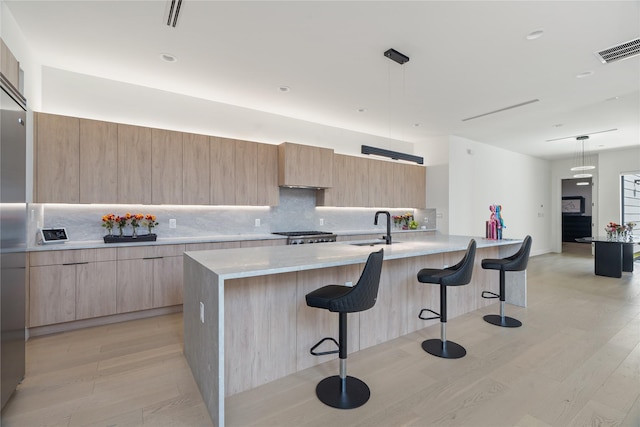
(100, 321)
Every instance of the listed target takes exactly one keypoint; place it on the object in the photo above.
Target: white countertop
(259, 261)
(93, 244)
(214, 238)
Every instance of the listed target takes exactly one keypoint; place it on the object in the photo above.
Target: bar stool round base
(506, 321)
(330, 392)
(436, 347)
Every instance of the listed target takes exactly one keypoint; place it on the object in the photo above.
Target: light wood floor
(575, 362)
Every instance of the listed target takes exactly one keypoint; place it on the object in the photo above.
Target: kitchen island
(246, 321)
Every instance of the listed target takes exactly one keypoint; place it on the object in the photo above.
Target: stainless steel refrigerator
(13, 238)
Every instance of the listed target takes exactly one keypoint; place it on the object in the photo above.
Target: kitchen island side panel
(204, 342)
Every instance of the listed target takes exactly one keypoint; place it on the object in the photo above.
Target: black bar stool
(342, 391)
(457, 275)
(516, 262)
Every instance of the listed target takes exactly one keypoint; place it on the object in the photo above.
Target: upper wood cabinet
(350, 183)
(246, 169)
(243, 172)
(9, 65)
(134, 164)
(268, 191)
(166, 167)
(98, 161)
(57, 159)
(304, 166)
(196, 169)
(222, 171)
(362, 182)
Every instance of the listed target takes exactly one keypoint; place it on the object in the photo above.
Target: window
(630, 186)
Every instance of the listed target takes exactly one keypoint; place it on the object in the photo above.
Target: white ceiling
(467, 58)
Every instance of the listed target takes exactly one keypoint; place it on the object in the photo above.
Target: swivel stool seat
(516, 262)
(457, 275)
(342, 391)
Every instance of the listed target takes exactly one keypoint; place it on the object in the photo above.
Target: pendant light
(580, 161)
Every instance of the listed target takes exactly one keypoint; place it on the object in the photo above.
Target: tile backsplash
(296, 212)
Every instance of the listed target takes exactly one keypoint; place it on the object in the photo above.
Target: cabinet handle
(154, 257)
(75, 263)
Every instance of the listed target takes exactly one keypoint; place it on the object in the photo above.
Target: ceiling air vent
(622, 51)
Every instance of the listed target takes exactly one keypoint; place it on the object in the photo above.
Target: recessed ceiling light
(535, 34)
(284, 89)
(167, 57)
(585, 74)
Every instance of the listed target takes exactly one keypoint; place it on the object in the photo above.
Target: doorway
(577, 207)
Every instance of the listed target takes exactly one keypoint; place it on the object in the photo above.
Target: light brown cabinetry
(10, 67)
(57, 154)
(362, 182)
(196, 169)
(71, 285)
(95, 289)
(350, 183)
(98, 162)
(134, 164)
(149, 277)
(243, 173)
(68, 285)
(222, 171)
(246, 171)
(52, 294)
(166, 167)
(268, 191)
(304, 166)
(90, 161)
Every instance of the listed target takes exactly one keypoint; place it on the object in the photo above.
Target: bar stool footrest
(348, 395)
(489, 295)
(505, 322)
(323, 353)
(444, 349)
(437, 315)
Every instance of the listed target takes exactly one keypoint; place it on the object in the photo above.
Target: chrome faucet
(386, 238)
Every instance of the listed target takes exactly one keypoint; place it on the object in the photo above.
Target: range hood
(304, 166)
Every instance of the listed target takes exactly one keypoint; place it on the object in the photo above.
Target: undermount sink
(372, 243)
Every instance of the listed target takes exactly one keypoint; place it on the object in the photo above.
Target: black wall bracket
(394, 55)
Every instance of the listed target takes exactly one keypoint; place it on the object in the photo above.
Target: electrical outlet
(172, 223)
(321, 221)
(257, 222)
(201, 312)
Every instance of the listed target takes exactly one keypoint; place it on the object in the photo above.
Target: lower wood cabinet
(95, 289)
(149, 277)
(52, 294)
(69, 285)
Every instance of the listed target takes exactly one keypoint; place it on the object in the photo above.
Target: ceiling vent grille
(622, 51)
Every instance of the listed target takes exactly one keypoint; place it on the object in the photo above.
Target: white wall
(611, 165)
(80, 95)
(481, 175)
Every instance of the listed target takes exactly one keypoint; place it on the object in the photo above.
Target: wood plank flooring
(575, 362)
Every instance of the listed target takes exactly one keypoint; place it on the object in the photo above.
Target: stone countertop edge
(99, 244)
(260, 261)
